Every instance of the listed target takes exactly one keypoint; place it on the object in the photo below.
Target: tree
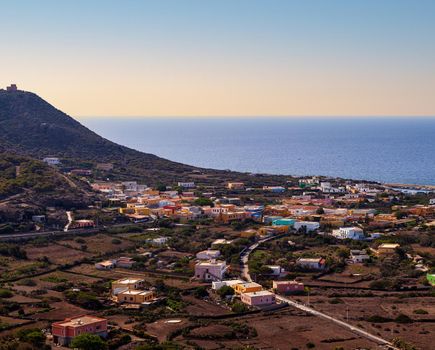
(239, 308)
(200, 292)
(320, 211)
(87, 341)
(33, 336)
(224, 291)
(202, 201)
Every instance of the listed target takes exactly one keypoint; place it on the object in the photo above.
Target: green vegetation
(88, 341)
(6, 293)
(33, 336)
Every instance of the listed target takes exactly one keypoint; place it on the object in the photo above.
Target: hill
(31, 126)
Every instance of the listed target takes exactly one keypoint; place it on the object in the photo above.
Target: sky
(223, 58)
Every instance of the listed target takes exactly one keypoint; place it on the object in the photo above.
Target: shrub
(88, 341)
(239, 308)
(5, 293)
(420, 312)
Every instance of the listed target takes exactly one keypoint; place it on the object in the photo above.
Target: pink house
(287, 287)
(65, 331)
(260, 298)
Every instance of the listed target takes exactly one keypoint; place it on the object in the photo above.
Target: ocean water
(399, 150)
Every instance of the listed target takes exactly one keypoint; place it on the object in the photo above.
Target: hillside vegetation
(39, 184)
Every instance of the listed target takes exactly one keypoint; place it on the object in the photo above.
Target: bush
(88, 341)
(200, 292)
(5, 293)
(420, 312)
(378, 319)
(225, 291)
(310, 345)
(239, 308)
(116, 241)
(33, 336)
(403, 319)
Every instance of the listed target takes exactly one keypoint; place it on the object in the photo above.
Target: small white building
(276, 270)
(211, 270)
(38, 218)
(216, 285)
(105, 265)
(311, 263)
(208, 254)
(186, 184)
(309, 225)
(358, 256)
(158, 240)
(51, 160)
(355, 233)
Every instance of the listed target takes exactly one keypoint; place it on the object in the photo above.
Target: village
(192, 265)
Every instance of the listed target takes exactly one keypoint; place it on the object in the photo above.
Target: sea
(388, 149)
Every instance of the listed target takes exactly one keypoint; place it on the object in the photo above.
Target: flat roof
(389, 245)
(251, 284)
(287, 282)
(128, 280)
(262, 293)
(79, 321)
(211, 263)
(137, 292)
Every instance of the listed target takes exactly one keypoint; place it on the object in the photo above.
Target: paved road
(18, 236)
(341, 323)
(35, 234)
(244, 257)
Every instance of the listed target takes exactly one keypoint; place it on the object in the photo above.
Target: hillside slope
(24, 180)
(29, 125)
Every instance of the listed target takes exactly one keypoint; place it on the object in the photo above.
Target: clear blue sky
(223, 57)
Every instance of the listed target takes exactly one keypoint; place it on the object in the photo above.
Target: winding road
(244, 258)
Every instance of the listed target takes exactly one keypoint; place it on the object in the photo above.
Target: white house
(208, 254)
(276, 270)
(215, 285)
(186, 184)
(309, 225)
(51, 161)
(358, 256)
(105, 265)
(311, 263)
(211, 270)
(355, 233)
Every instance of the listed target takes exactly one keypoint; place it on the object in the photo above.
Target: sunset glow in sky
(223, 57)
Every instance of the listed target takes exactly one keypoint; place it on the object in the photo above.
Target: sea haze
(400, 150)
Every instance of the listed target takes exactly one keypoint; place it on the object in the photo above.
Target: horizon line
(258, 116)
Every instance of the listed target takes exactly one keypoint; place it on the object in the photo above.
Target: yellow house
(273, 230)
(248, 287)
(128, 210)
(248, 233)
(142, 211)
(135, 296)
